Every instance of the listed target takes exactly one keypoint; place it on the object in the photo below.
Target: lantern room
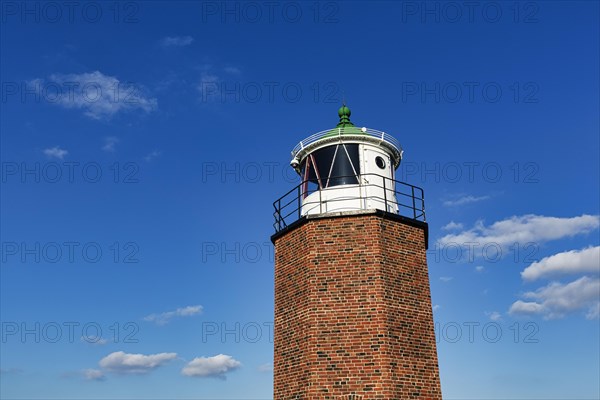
(347, 168)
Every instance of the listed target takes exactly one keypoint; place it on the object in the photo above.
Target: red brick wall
(353, 311)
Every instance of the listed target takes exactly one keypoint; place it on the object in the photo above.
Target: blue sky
(143, 144)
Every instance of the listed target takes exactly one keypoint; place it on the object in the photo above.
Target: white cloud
(109, 143)
(94, 375)
(164, 318)
(479, 268)
(178, 41)
(121, 362)
(151, 156)
(99, 96)
(452, 226)
(575, 261)
(56, 152)
(523, 229)
(94, 340)
(525, 307)
(462, 200)
(216, 366)
(268, 367)
(494, 315)
(436, 307)
(446, 278)
(594, 311)
(557, 300)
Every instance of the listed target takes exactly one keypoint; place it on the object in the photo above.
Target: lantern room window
(332, 166)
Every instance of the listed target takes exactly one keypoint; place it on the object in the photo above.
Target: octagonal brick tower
(353, 317)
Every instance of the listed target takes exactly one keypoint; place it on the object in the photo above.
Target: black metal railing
(396, 197)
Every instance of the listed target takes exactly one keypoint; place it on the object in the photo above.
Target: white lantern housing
(347, 169)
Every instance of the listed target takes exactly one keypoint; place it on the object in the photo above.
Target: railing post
(278, 212)
(385, 195)
(413, 201)
(299, 201)
(320, 202)
(423, 205)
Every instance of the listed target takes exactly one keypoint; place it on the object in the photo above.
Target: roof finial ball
(344, 114)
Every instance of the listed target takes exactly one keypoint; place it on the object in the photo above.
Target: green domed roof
(346, 126)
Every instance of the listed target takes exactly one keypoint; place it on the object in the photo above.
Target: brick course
(353, 316)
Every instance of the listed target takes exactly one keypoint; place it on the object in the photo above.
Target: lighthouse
(353, 316)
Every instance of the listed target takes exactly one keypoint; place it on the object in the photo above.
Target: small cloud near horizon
(494, 315)
(109, 143)
(207, 367)
(165, 317)
(459, 201)
(125, 363)
(93, 375)
(176, 41)
(451, 226)
(151, 156)
(55, 152)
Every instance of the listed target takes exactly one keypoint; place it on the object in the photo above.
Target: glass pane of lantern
(342, 172)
